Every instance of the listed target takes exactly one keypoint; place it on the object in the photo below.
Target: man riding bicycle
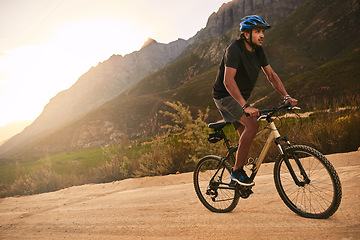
(236, 78)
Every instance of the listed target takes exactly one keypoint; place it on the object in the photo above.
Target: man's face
(257, 36)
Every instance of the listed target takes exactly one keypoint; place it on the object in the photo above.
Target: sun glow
(34, 74)
(45, 46)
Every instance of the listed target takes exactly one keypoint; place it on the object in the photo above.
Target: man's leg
(247, 132)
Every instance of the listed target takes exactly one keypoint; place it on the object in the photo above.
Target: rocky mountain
(230, 14)
(95, 87)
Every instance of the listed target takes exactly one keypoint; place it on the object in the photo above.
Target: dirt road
(167, 208)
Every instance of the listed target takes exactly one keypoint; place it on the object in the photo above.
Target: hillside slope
(334, 82)
(317, 32)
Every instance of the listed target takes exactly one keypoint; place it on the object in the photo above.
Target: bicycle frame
(273, 137)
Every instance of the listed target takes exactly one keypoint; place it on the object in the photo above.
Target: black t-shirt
(248, 65)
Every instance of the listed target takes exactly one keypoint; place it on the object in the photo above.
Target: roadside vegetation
(185, 142)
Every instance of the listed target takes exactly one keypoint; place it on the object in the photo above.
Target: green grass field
(62, 163)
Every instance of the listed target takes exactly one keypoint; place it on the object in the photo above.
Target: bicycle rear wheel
(317, 197)
(212, 185)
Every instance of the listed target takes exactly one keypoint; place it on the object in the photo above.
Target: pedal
(244, 191)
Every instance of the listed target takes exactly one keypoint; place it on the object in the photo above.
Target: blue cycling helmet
(253, 21)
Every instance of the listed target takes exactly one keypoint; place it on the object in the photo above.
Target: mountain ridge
(12, 129)
(96, 86)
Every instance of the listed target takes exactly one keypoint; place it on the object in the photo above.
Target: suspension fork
(286, 143)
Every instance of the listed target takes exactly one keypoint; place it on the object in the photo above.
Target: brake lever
(293, 108)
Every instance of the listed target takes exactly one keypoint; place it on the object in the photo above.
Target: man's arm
(275, 81)
(233, 89)
(231, 86)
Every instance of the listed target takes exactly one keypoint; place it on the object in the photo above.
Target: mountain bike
(304, 178)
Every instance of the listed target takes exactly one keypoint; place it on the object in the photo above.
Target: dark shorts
(230, 110)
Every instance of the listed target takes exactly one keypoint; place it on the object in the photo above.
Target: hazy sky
(46, 45)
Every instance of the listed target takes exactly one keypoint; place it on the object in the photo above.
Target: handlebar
(268, 113)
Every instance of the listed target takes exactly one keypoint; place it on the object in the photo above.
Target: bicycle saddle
(218, 125)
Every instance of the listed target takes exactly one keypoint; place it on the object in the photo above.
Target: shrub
(336, 132)
(191, 133)
(40, 180)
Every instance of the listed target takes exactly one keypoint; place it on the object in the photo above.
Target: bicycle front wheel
(213, 184)
(318, 191)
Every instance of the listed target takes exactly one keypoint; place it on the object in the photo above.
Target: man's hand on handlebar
(292, 101)
(254, 112)
(251, 112)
